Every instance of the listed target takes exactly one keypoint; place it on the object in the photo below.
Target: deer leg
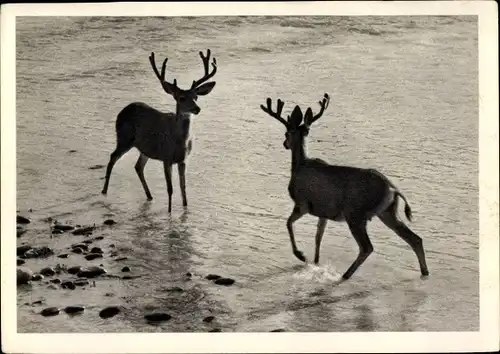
(182, 179)
(297, 213)
(139, 168)
(319, 235)
(168, 176)
(120, 150)
(358, 230)
(390, 219)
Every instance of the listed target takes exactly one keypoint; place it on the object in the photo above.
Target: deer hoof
(300, 255)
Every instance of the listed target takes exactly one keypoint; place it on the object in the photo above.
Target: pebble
(64, 255)
(91, 272)
(157, 317)
(37, 302)
(98, 238)
(82, 245)
(96, 250)
(47, 271)
(55, 281)
(88, 241)
(125, 269)
(52, 287)
(128, 277)
(109, 312)
(175, 289)
(68, 284)
(278, 330)
(37, 277)
(71, 310)
(92, 256)
(224, 281)
(50, 311)
(109, 222)
(208, 319)
(20, 262)
(63, 227)
(22, 220)
(57, 232)
(121, 259)
(96, 167)
(20, 231)
(112, 245)
(24, 275)
(212, 277)
(215, 330)
(74, 269)
(22, 249)
(40, 252)
(81, 282)
(77, 250)
(84, 230)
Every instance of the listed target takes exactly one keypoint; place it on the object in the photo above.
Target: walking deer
(339, 193)
(158, 135)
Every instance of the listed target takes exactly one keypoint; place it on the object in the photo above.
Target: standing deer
(158, 135)
(339, 193)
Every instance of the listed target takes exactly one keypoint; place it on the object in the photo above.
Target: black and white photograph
(250, 168)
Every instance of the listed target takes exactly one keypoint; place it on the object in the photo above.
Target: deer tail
(407, 205)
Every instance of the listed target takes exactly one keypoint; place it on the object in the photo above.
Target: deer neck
(298, 154)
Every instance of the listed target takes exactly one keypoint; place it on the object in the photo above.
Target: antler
(279, 109)
(161, 76)
(324, 105)
(206, 60)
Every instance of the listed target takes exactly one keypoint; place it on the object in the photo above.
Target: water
(404, 100)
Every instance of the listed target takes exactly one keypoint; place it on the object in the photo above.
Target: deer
(158, 135)
(339, 193)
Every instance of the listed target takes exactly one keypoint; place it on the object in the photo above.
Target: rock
(96, 250)
(41, 252)
(74, 270)
(22, 220)
(112, 245)
(109, 222)
(96, 167)
(121, 259)
(72, 151)
(189, 275)
(125, 269)
(22, 249)
(47, 271)
(84, 230)
(77, 250)
(37, 302)
(82, 245)
(92, 256)
(212, 277)
(109, 312)
(67, 284)
(81, 282)
(157, 317)
(72, 310)
(109, 294)
(91, 272)
(215, 330)
(20, 262)
(24, 275)
(55, 281)
(128, 277)
(89, 241)
(57, 232)
(278, 330)
(175, 289)
(98, 238)
(37, 277)
(224, 281)
(20, 231)
(64, 255)
(63, 227)
(208, 319)
(50, 311)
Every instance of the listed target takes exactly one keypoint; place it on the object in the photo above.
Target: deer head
(297, 124)
(186, 99)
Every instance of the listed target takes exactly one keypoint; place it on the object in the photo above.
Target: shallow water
(404, 101)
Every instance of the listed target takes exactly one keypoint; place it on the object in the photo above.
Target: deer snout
(196, 110)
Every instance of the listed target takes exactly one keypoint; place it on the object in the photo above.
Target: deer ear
(308, 117)
(296, 118)
(205, 88)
